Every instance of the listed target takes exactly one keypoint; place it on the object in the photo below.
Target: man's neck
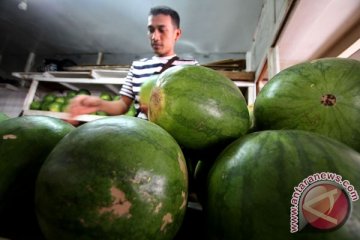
(165, 57)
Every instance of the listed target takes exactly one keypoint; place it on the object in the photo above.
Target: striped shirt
(142, 69)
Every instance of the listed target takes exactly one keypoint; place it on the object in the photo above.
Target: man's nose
(155, 35)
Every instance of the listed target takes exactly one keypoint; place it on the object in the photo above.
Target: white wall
(271, 20)
(11, 101)
(316, 29)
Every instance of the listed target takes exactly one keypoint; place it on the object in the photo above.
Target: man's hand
(84, 104)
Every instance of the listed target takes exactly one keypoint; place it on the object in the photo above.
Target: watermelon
(35, 105)
(55, 107)
(101, 113)
(131, 111)
(83, 91)
(116, 98)
(198, 106)
(3, 116)
(252, 120)
(145, 92)
(252, 183)
(106, 96)
(50, 97)
(118, 177)
(71, 94)
(60, 99)
(321, 96)
(45, 105)
(24, 145)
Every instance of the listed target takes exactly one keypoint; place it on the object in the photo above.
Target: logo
(322, 202)
(325, 206)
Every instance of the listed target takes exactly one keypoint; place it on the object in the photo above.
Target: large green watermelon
(252, 185)
(24, 145)
(3, 116)
(322, 96)
(145, 92)
(114, 178)
(198, 106)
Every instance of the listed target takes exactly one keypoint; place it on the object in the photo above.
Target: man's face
(163, 35)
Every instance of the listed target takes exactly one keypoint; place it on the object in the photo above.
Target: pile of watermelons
(254, 175)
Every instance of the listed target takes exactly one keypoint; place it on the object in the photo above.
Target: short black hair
(166, 11)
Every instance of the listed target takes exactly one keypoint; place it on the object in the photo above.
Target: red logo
(326, 206)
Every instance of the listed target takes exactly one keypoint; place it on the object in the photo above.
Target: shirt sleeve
(127, 87)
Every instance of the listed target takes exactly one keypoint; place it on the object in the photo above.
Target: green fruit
(198, 106)
(83, 92)
(145, 91)
(96, 184)
(60, 100)
(25, 142)
(117, 97)
(132, 111)
(35, 105)
(251, 185)
(49, 97)
(45, 105)
(252, 127)
(106, 96)
(55, 107)
(101, 113)
(71, 94)
(64, 106)
(320, 96)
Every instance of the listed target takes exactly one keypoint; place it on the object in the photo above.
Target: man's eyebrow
(156, 26)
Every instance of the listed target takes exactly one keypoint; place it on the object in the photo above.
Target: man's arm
(84, 104)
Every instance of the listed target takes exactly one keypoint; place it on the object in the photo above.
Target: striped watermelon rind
(320, 96)
(114, 178)
(250, 185)
(198, 106)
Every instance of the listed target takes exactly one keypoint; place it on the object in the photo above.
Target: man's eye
(151, 30)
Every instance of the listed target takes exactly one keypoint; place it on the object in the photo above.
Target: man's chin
(158, 53)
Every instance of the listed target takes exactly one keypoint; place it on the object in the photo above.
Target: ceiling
(113, 26)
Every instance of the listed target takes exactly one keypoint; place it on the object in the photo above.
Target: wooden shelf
(26, 75)
(234, 69)
(86, 77)
(239, 75)
(106, 78)
(117, 81)
(227, 64)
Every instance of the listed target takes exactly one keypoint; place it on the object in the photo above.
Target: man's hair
(166, 11)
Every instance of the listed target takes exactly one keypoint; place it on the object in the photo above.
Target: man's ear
(178, 34)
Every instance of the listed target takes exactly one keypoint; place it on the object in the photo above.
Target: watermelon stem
(328, 100)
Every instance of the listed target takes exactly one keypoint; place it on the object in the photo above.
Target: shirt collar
(163, 58)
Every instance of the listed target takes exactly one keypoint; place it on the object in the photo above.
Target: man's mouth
(155, 45)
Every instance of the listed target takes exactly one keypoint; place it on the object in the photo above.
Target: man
(163, 31)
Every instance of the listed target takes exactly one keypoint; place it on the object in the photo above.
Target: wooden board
(91, 67)
(227, 64)
(66, 74)
(239, 75)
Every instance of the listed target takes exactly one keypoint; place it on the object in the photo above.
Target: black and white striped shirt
(142, 69)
